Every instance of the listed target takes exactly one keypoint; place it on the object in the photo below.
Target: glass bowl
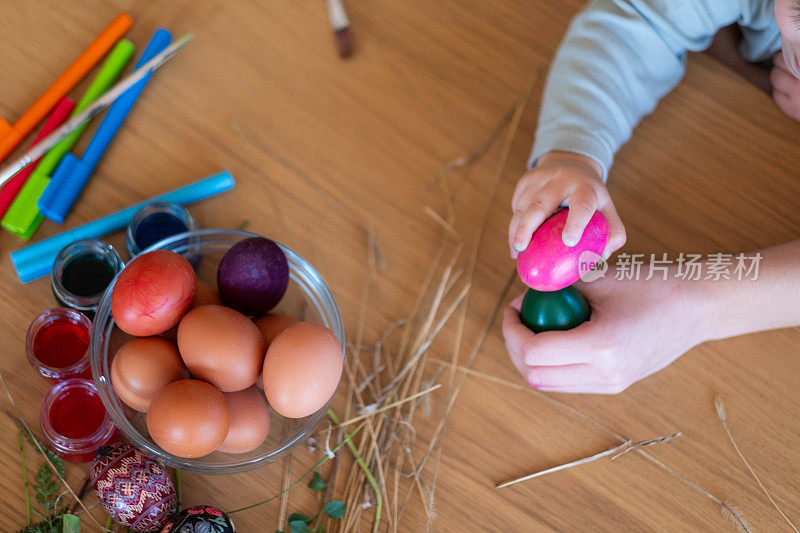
(307, 298)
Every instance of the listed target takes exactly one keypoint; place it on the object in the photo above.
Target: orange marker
(11, 136)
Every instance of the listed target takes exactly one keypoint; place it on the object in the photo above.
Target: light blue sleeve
(618, 58)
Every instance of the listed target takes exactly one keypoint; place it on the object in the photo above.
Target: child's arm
(616, 61)
(638, 327)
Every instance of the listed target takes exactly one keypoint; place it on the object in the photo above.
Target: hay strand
(724, 419)
(565, 466)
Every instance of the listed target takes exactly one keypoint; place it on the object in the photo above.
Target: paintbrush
(341, 28)
(90, 112)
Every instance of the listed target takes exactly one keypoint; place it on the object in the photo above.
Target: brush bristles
(720, 408)
(733, 515)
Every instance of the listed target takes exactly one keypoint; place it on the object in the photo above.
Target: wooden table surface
(322, 149)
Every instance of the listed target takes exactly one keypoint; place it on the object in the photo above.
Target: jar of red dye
(58, 344)
(74, 420)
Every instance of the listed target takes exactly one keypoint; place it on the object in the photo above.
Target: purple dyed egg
(547, 264)
(253, 276)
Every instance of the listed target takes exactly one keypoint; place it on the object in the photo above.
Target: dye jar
(57, 344)
(81, 273)
(154, 222)
(74, 422)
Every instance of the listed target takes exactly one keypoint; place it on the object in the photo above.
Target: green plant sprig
(322, 461)
(300, 523)
(367, 472)
(45, 486)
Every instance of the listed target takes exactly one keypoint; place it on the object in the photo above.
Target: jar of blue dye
(154, 222)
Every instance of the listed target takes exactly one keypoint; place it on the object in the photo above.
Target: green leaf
(56, 460)
(71, 524)
(335, 509)
(298, 526)
(301, 517)
(316, 482)
(58, 463)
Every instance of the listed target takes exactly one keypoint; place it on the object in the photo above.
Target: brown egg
(271, 325)
(188, 418)
(221, 346)
(249, 421)
(302, 369)
(142, 367)
(205, 295)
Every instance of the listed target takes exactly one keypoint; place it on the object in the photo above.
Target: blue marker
(72, 174)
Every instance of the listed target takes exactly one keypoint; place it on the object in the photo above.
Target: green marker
(553, 311)
(22, 217)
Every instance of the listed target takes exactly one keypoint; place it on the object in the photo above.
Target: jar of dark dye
(154, 222)
(81, 273)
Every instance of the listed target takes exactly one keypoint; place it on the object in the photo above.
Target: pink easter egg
(547, 264)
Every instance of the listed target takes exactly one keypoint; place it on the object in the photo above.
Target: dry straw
(724, 419)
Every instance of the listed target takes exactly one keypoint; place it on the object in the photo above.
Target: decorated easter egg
(553, 310)
(133, 488)
(547, 264)
(253, 276)
(200, 519)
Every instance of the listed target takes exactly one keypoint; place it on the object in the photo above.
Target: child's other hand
(637, 327)
(785, 87)
(562, 177)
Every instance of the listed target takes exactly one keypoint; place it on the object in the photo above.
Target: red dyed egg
(152, 293)
(134, 489)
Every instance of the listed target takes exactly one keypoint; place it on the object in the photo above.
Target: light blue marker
(36, 260)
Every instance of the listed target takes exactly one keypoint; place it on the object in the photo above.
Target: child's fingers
(520, 342)
(534, 192)
(552, 348)
(616, 230)
(587, 388)
(779, 62)
(790, 106)
(569, 378)
(582, 205)
(525, 222)
(783, 81)
(532, 180)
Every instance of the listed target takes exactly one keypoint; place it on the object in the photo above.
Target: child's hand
(785, 88)
(636, 329)
(557, 178)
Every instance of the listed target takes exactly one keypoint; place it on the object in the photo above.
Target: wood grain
(321, 147)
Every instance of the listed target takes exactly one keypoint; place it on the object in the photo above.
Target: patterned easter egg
(200, 519)
(134, 489)
(547, 264)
